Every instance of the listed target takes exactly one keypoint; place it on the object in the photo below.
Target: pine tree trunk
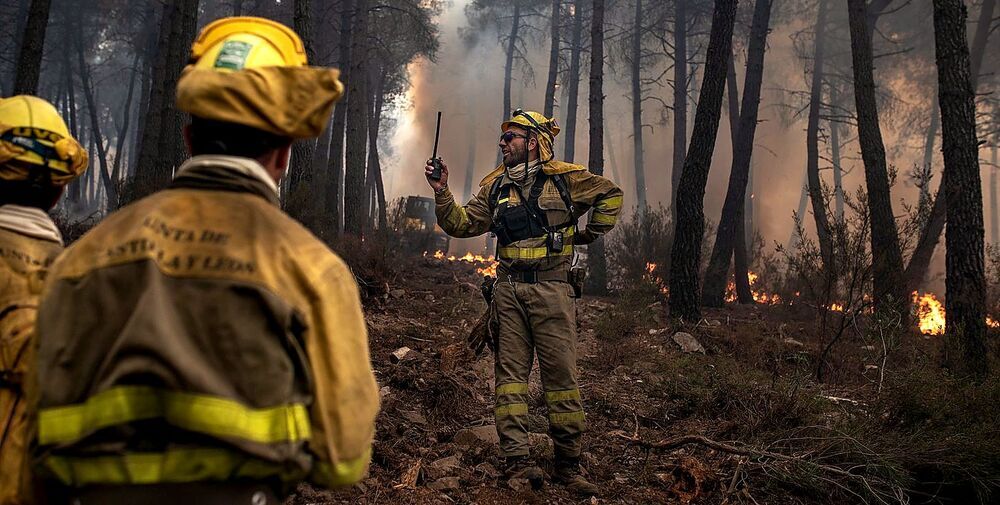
(729, 232)
(920, 261)
(29, 58)
(357, 127)
(929, 141)
(822, 221)
(688, 233)
(172, 147)
(123, 134)
(740, 260)
(303, 150)
(965, 281)
(508, 68)
(838, 175)
(793, 241)
(887, 262)
(335, 160)
(550, 85)
(636, 66)
(470, 164)
(597, 262)
(374, 163)
(95, 120)
(994, 213)
(569, 134)
(680, 101)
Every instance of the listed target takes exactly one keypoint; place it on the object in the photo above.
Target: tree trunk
(574, 83)
(172, 147)
(729, 231)
(597, 262)
(123, 135)
(793, 241)
(550, 85)
(680, 101)
(374, 164)
(965, 281)
(887, 262)
(740, 261)
(823, 232)
(303, 150)
(29, 58)
(508, 68)
(357, 127)
(636, 57)
(95, 120)
(929, 141)
(838, 175)
(470, 165)
(686, 253)
(920, 261)
(335, 166)
(994, 213)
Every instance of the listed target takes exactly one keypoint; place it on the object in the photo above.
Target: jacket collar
(29, 221)
(226, 173)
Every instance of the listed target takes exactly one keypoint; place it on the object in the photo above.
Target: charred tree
(823, 231)
(508, 68)
(920, 261)
(887, 261)
(357, 127)
(680, 101)
(335, 160)
(303, 150)
(550, 84)
(95, 120)
(29, 58)
(994, 212)
(965, 281)
(374, 163)
(741, 265)
(636, 67)
(838, 175)
(596, 256)
(729, 231)
(690, 225)
(574, 82)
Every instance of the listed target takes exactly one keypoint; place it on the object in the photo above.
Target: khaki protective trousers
(537, 317)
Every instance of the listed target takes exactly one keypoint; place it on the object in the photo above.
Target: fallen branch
(674, 443)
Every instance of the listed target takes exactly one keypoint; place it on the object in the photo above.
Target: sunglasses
(507, 136)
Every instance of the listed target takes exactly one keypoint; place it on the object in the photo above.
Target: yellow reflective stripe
(341, 473)
(563, 395)
(532, 253)
(201, 413)
(598, 218)
(512, 388)
(175, 465)
(563, 418)
(503, 200)
(610, 203)
(513, 409)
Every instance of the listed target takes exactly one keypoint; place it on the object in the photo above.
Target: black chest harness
(512, 223)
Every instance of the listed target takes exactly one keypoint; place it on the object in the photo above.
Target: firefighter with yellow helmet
(38, 158)
(532, 203)
(200, 345)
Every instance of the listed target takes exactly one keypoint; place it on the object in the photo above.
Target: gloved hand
(485, 333)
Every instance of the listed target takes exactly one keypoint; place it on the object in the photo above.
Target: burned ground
(785, 437)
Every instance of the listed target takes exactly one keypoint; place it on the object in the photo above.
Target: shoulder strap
(560, 182)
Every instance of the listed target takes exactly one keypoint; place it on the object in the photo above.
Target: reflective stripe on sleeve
(612, 203)
(598, 218)
(341, 473)
(210, 415)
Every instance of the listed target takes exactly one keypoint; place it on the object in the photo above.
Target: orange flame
(930, 313)
(992, 323)
(489, 262)
(758, 295)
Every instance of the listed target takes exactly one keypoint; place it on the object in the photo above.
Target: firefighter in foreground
(532, 203)
(200, 345)
(38, 158)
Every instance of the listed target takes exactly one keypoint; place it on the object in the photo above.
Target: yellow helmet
(533, 121)
(34, 137)
(234, 43)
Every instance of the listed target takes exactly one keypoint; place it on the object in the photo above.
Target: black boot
(569, 473)
(523, 467)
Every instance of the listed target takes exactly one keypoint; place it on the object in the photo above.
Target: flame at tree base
(489, 263)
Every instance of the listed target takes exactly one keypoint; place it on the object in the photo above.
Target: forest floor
(752, 387)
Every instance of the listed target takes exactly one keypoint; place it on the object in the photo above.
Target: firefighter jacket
(201, 334)
(586, 191)
(29, 242)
